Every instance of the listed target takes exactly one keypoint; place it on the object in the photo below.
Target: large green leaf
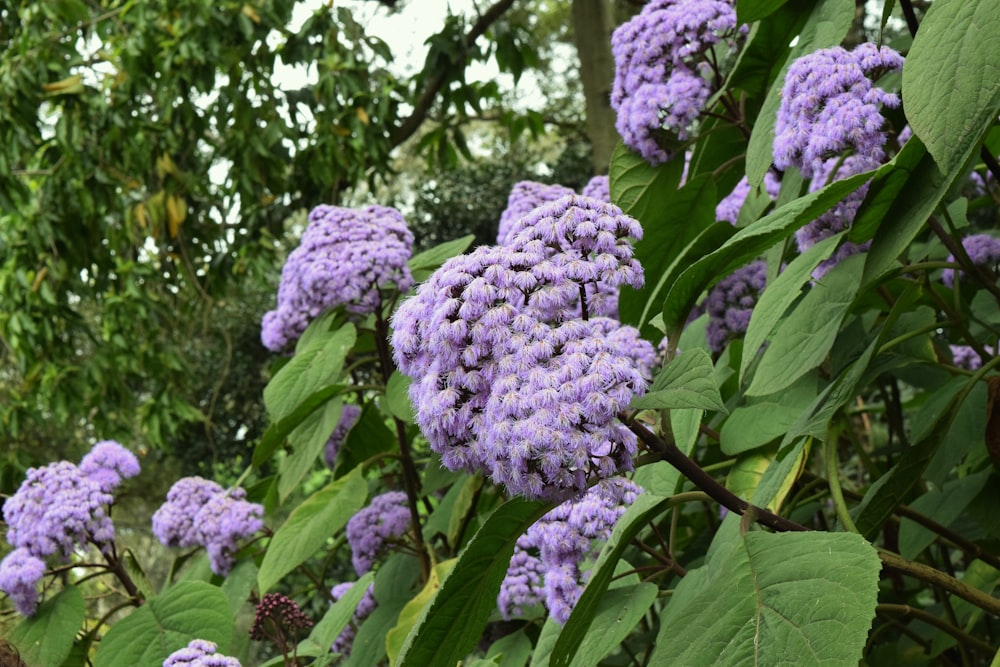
(675, 221)
(956, 49)
(640, 189)
(189, 610)
(337, 616)
(689, 281)
(397, 397)
(645, 508)
(802, 340)
(620, 611)
(368, 437)
(765, 418)
(425, 263)
(452, 624)
(748, 11)
(688, 381)
(313, 368)
(827, 25)
(46, 639)
(307, 442)
(774, 599)
(779, 295)
(943, 506)
(310, 525)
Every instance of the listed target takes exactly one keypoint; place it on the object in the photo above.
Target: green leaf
(189, 610)
(620, 611)
(397, 397)
(943, 506)
(452, 624)
(278, 431)
(394, 587)
(803, 340)
(676, 218)
(779, 295)
(748, 11)
(765, 418)
(514, 650)
(239, 583)
(368, 437)
(955, 49)
(411, 613)
(645, 508)
(337, 617)
(688, 381)
(46, 639)
(546, 642)
(827, 25)
(310, 525)
(307, 441)
(748, 243)
(310, 370)
(773, 599)
(640, 189)
(427, 262)
(658, 478)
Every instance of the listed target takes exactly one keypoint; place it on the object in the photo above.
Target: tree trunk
(593, 22)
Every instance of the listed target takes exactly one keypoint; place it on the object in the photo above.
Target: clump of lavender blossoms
(199, 512)
(547, 565)
(730, 304)
(512, 375)
(830, 126)
(345, 640)
(982, 249)
(525, 197)
(348, 418)
(58, 509)
(200, 653)
(344, 257)
(370, 531)
(662, 75)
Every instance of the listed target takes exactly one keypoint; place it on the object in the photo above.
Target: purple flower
(830, 104)
(965, 356)
(342, 644)
(108, 463)
(661, 80)
(222, 522)
(199, 512)
(598, 187)
(20, 573)
(983, 250)
(173, 522)
(524, 197)
(370, 531)
(549, 559)
(199, 653)
(728, 210)
(499, 348)
(344, 257)
(730, 304)
(57, 509)
(348, 417)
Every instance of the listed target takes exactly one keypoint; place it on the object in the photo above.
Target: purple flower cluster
(548, 560)
(348, 418)
(199, 653)
(661, 85)
(599, 187)
(983, 250)
(513, 375)
(728, 210)
(344, 257)
(965, 356)
(525, 197)
(59, 508)
(342, 644)
(199, 512)
(20, 573)
(730, 303)
(371, 530)
(830, 105)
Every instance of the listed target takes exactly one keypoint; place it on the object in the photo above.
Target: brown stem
(932, 576)
(687, 467)
(963, 638)
(411, 478)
